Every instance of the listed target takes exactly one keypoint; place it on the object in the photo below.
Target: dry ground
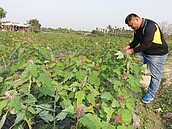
(158, 113)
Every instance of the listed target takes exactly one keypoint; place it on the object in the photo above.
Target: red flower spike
(81, 60)
(30, 61)
(79, 112)
(120, 99)
(118, 118)
(30, 40)
(9, 95)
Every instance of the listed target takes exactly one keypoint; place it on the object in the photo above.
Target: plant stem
(5, 65)
(27, 121)
(29, 86)
(54, 114)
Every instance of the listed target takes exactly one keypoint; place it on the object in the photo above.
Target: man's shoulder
(149, 21)
(150, 24)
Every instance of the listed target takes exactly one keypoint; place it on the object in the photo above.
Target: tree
(2, 13)
(110, 30)
(166, 28)
(34, 25)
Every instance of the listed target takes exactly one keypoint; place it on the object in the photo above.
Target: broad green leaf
(107, 96)
(59, 87)
(93, 91)
(122, 127)
(31, 109)
(19, 65)
(68, 76)
(94, 79)
(42, 107)
(106, 125)
(131, 101)
(24, 88)
(2, 48)
(104, 67)
(69, 109)
(46, 116)
(15, 102)
(21, 81)
(47, 90)
(36, 46)
(91, 99)
(1, 79)
(115, 103)
(2, 69)
(61, 116)
(45, 79)
(65, 103)
(44, 52)
(80, 95)
(126, 116)
(20, 117)
(57, 98)
(75, 84)
(64, 93)
(130, 127)
(3, 104)
(109, 111)
(31, 99)
(91, 121)
(128, 105)
(117, 70)
(59, 72)
(89, 109)
(33, 70)
(116, 83)
(81, 75)
(103, 105)
(136, 88)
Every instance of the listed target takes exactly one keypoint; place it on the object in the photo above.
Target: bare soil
(158, 113)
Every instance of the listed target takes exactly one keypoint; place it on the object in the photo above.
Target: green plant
(92, 86)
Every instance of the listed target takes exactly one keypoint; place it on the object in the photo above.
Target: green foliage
(35, 26)
(2, 13)
(81, 79)
(97, 32)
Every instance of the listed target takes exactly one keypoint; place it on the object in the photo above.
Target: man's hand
(126, 48)
(130, 51)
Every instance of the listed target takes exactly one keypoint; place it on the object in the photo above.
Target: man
(150, 44)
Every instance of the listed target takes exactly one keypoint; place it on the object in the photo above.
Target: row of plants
(50, 79)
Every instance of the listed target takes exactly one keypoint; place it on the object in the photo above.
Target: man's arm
(135, 41)
(129, 48)
(142, 46)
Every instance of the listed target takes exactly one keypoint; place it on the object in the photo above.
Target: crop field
(67, 81)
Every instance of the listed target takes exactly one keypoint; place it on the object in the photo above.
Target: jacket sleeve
(142, 46)
(135, 41)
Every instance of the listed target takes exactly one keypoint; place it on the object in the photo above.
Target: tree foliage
(110, 31)
(166, 28)
(2, 13)
(35, 26)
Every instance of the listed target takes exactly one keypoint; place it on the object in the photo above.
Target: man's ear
(136, 19)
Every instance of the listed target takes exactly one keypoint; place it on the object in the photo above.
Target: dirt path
(151, 114)
(167, 72)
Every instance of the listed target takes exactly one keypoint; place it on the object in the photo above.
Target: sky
(85, 14)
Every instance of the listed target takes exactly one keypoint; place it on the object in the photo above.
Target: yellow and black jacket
(149, 39)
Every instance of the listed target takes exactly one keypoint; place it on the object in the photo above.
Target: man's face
(134, 23)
